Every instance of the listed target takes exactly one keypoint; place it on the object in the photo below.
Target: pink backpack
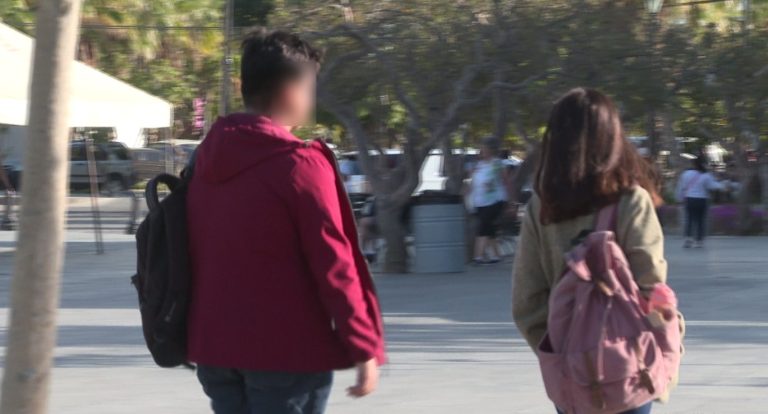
(601, 354)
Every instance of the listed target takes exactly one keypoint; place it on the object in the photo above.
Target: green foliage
(14, 13)
(128, 40)
(252, 12)
(703, 66)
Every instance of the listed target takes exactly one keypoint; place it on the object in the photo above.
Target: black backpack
(163, 276)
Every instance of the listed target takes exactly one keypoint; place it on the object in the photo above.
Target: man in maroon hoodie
(281, 292)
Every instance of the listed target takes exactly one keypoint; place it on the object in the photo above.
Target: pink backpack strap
(607, 218)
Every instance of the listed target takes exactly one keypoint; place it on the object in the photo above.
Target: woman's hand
(367, 379)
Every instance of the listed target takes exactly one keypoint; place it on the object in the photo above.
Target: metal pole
(226, 63)
(7, 222)
(134, 214)
(746, 10)
(653, 137)
(93, 178)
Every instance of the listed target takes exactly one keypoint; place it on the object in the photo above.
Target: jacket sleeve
(642, 239)
(530, 291)
(329, 256)
(712, 184)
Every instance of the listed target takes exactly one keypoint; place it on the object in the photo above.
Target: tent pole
(7, 221)
(92, 177)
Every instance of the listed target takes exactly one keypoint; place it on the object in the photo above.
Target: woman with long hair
(586, 164)
(693, 190)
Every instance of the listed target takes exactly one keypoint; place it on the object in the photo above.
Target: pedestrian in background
(488, 196)
(586, 165)
(281, 294)
(693, 191)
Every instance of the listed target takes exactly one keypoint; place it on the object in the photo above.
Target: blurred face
(295, 104)
(485, 152)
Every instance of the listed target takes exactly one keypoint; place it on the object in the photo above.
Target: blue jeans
(235, 391)
(646, 409)
(696, 218)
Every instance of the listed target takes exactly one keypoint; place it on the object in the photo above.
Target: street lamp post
(226, 63)
(746, 10)
(654, 8)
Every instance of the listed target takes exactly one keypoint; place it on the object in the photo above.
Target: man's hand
(367, 379)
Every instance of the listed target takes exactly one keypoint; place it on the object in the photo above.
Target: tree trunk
(37, 268)
(394, 233)
(672, 160)
(745, 175)
(764, 189)
(764, 181)
(524, 173)
(500, 112)
(453, 168)
(653, 135)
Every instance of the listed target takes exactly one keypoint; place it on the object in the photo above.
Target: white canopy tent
(98, 100)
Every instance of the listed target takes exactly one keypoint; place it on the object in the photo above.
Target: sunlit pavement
(452, 346)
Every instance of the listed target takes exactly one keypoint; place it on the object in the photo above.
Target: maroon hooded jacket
(279, 282)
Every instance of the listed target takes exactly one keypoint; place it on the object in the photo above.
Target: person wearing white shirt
(693, 190)
(488, 197)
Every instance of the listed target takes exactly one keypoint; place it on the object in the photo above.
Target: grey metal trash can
(438, 221)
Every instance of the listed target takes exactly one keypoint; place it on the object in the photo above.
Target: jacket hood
(238, 142)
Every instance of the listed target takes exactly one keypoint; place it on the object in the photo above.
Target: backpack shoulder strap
(189, 169)
(607, 218)
(150, 193)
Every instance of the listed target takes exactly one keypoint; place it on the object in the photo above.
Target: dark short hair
(270, 58)
(492, 143)
(700, 162)
(586, 161)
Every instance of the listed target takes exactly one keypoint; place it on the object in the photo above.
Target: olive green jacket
(539, 260)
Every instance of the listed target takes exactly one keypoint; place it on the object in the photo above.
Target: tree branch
(347, 116)
(390, 69)
(761, 72)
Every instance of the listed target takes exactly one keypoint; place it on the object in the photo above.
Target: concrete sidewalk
(452, 345)
(115, 213)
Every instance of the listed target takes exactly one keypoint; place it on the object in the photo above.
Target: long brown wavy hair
(586, 161)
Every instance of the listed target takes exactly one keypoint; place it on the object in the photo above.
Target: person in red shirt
(281, 294)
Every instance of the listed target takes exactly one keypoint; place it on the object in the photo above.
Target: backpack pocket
(668, 334)
(620, 375)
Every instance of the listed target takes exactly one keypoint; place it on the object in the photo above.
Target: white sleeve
(712, 184)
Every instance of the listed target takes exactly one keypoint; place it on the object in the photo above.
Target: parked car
(148, 163)
(180, 152)
(114, 166)
(163, 157)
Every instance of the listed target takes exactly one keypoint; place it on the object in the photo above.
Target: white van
(432, 175)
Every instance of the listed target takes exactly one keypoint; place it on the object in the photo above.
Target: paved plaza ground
(452, 345)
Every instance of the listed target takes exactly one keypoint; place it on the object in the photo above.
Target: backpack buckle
(646, 381)
(594, 385)
(645, 376)
(604, 287)
(597, 396)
